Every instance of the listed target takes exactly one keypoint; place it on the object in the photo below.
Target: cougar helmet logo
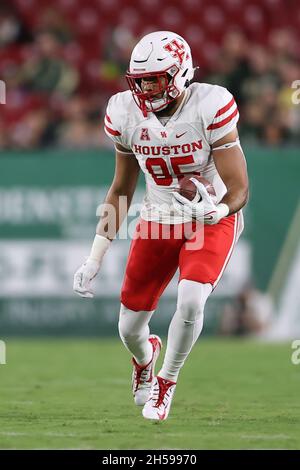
(176, 50)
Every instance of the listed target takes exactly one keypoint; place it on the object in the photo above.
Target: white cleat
(160, 398)
(142, 376)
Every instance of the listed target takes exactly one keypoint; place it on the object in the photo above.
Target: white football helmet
(166, 56)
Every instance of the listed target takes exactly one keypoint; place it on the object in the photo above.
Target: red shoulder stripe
(225, 108)
(111, 131)
(222, 123)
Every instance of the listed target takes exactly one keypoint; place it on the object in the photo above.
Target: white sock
(185, 327)
(134, 333)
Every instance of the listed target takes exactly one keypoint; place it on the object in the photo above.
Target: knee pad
(131, 323)
(192, 297)
(124, 324)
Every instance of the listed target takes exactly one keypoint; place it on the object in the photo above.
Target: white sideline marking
(115, 381)
(48, 434)
(265, 436)
(21, 402)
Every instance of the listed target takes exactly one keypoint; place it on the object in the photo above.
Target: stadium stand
(62, 60)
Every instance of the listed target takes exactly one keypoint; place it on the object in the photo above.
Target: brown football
(188, 189)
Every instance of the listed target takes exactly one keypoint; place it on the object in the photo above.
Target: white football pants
(184, 329)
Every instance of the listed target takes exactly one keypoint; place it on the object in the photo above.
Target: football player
(169, 127)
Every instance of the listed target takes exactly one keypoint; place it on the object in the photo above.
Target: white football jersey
(181, 147)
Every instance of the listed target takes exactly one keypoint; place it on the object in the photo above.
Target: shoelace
(141, 375)
(161, 393)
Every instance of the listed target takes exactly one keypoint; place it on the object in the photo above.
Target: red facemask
(146, 99)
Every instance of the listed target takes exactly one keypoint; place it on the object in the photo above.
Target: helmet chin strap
(156, 105)
(160, 103)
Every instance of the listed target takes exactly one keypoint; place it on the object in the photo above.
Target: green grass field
(75, 394)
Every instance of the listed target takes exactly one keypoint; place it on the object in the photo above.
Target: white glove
(205, 211)
(86, 273)
(83, 277)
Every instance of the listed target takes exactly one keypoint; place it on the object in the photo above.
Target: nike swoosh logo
(180, 135)
(161, 416)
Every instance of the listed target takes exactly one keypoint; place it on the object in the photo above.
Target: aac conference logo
(2, 352)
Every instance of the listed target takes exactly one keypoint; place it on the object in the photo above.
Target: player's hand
(83, 277)
(205, 211)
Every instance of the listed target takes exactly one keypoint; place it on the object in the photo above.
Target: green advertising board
(48, 203)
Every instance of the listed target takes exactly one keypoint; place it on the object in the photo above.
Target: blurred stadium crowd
(61, 61)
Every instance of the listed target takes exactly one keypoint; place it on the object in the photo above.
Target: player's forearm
(113, 212)
(231, 166)
(235, 198)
